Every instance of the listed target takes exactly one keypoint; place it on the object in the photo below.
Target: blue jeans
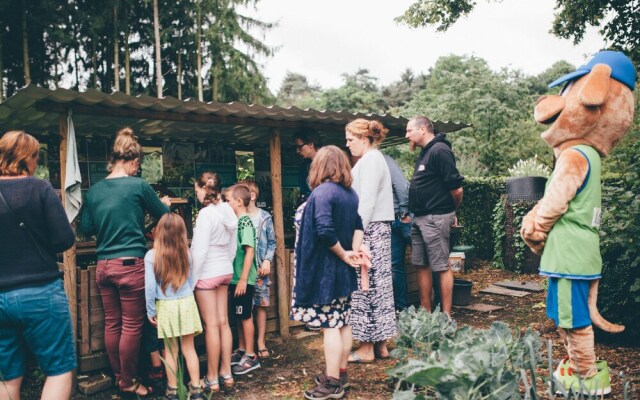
(36, 319)
(400, 239)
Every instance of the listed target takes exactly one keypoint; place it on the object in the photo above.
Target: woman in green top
(114, 211)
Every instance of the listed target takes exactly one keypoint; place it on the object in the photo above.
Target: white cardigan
(372, 183)
(214, 243)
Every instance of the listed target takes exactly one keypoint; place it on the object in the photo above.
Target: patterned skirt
(373, 317)
(178, 317)
(334, 315)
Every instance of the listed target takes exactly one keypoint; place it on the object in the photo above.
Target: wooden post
(278, 221)
(69, 259)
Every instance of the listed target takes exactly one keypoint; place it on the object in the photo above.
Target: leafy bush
(619, 295)
(463, 363)
(509, 250)
(530, 167)
(475, 213)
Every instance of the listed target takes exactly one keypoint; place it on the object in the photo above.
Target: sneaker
(570, 381)
(246, 364)
(236, 356)
(327, 388)
(344, 379)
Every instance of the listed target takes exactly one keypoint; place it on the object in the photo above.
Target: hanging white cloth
(73, 178)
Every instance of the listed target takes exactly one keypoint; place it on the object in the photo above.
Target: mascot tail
(596, 318)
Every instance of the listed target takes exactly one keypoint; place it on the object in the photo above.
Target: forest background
(208, 50)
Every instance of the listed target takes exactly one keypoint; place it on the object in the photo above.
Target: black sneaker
(246, 365)
(328, 388)
(344, 379)
(236, 356)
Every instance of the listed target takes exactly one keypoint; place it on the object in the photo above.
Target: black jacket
(434, 177)
(35, 203)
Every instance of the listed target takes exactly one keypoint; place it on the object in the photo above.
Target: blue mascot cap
(622, 68)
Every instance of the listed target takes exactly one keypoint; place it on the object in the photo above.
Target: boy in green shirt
(241, 289)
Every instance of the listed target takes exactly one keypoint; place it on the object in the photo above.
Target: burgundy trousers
(122, 290)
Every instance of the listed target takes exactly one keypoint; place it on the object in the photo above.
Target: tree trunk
(156, 29)
(179, 75)
(75, 56)
(25, 45)
(94, 62)
(199, 51)
(215, 83)
(127, 65)
(116, 61)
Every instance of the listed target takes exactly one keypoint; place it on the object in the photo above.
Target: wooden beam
(278, 221)
(69, 257)
(124, 112)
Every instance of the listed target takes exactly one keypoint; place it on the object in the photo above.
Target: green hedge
(476, 213)
(619, 295)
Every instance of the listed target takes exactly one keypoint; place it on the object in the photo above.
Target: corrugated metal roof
(37, 111)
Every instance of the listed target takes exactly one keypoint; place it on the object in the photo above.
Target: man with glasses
(307, 143)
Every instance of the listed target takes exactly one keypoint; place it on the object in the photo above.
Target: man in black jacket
(435, 193)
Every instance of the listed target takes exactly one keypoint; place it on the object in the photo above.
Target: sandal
(356, 359)
(212, 386)
(171, 393)
(264, 353)
(196, 393)
(227, 381)
(135, 394)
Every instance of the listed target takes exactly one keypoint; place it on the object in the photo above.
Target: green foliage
(463, 363)
(510, 251)
(619, 19)
(245, 166)
(296, 90)
(499, 234)
(358, 94)
(529, 167)
(480, 196)
(42, 172)
(440, 13)
(74, 41)
(152, 167)
(498, 104)
(619, 295)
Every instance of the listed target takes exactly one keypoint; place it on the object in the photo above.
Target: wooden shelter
(216, 130)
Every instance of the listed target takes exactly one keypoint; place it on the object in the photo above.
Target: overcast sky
(324, 39)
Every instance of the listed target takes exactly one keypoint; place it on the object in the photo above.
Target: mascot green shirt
(572, 249)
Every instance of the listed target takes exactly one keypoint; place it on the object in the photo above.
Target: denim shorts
(36, 319)
(430, 241)
(261, 297)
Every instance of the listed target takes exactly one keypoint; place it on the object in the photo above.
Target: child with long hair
(213, 250)
(171, 306)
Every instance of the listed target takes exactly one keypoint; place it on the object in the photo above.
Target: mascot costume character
(592, 113)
